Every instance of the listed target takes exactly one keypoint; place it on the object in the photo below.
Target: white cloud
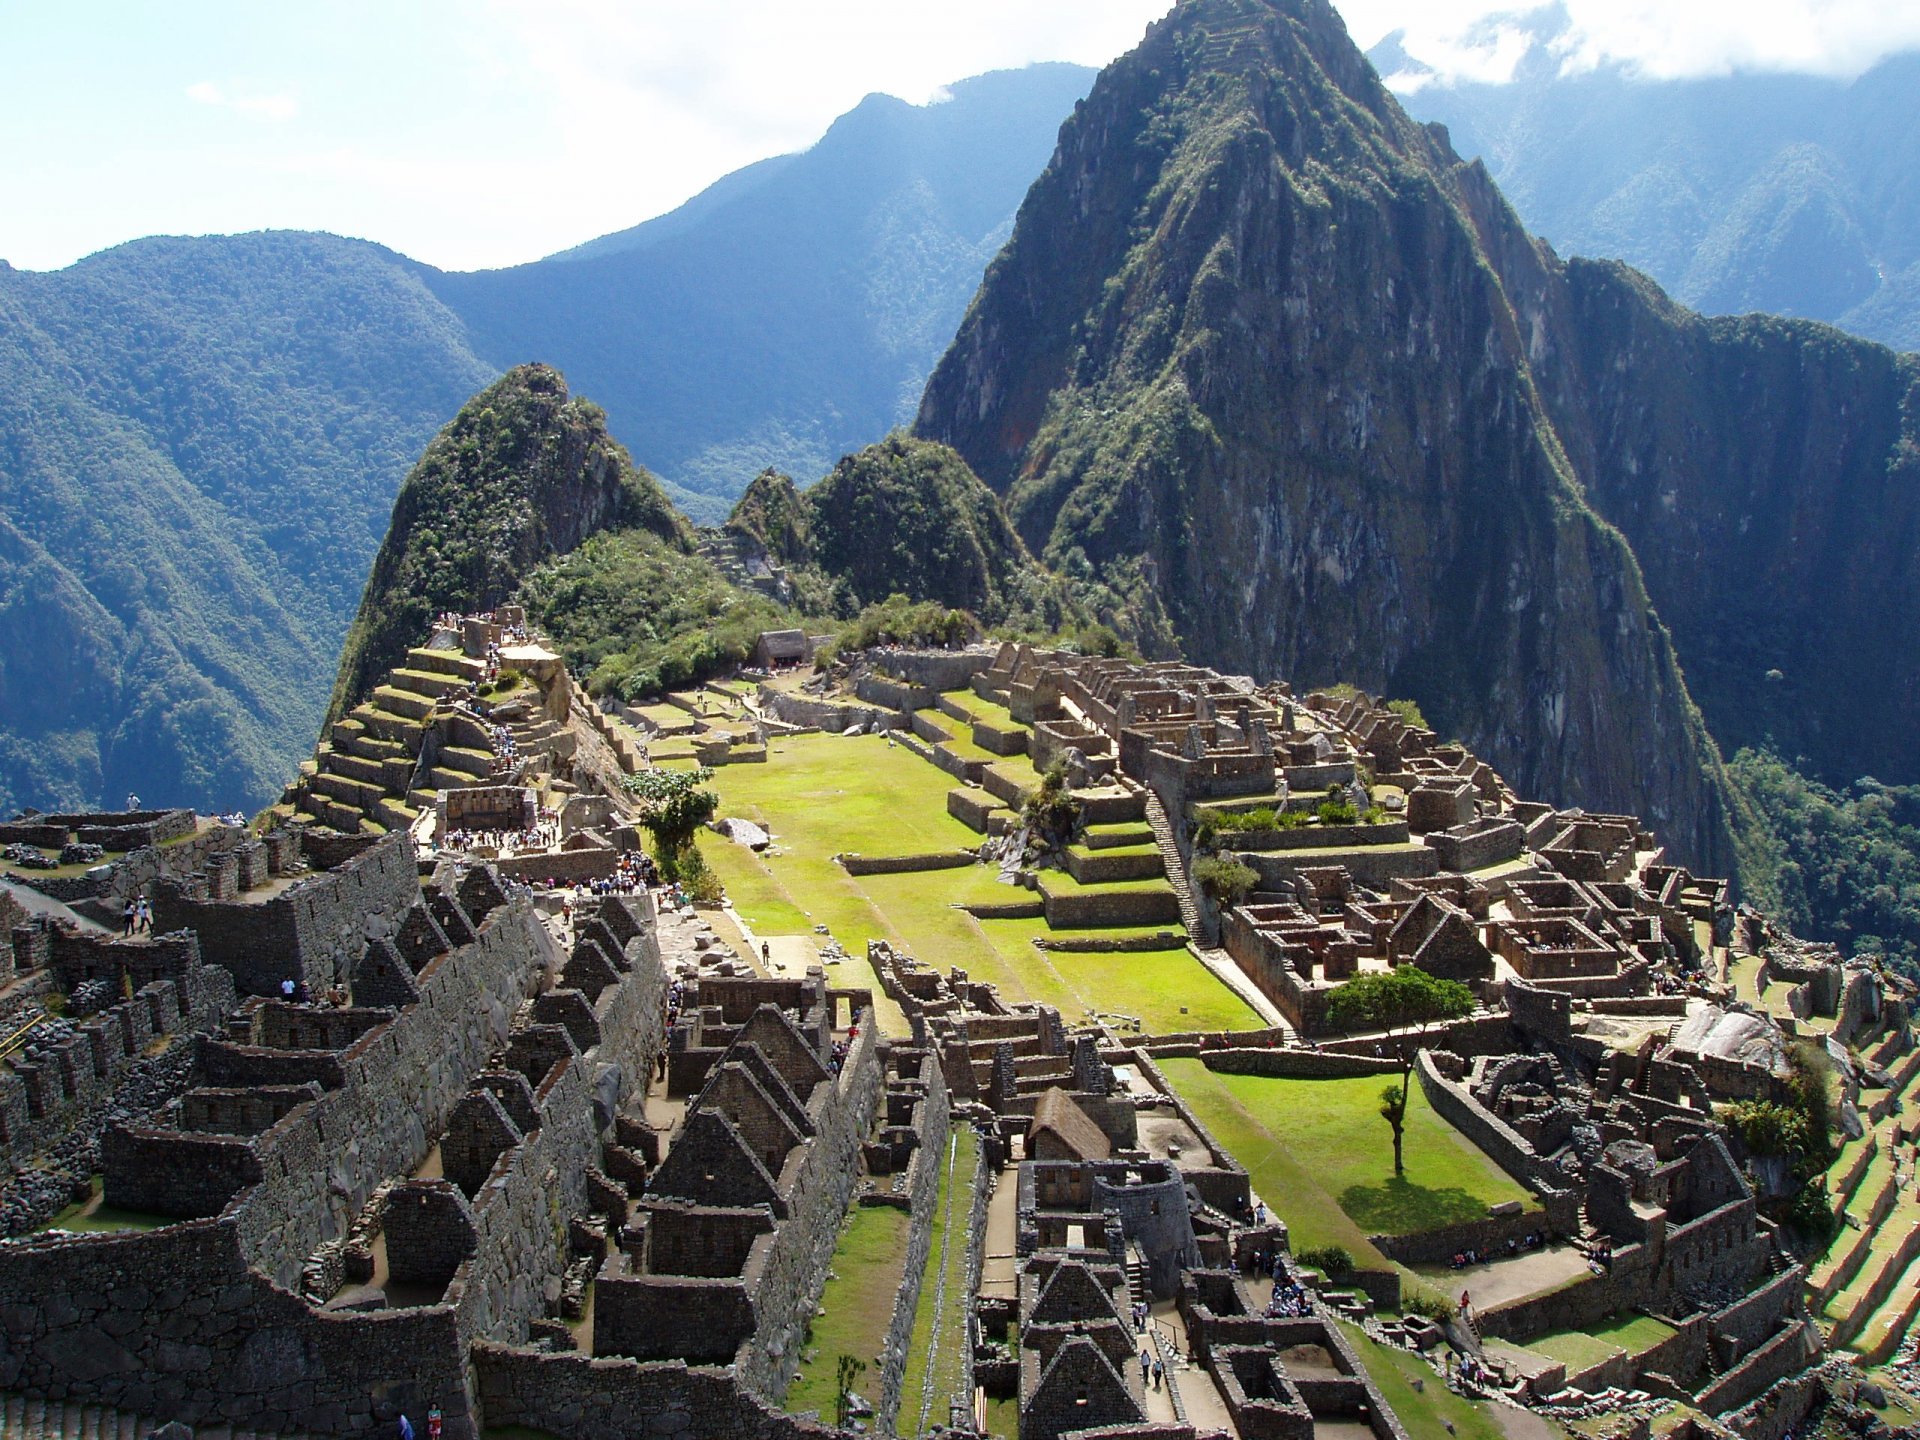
(280, 106)
(1484, 40)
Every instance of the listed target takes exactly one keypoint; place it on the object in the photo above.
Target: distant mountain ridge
(201, 439)
(1795, 195)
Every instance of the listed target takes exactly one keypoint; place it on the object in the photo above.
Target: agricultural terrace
(824, 795)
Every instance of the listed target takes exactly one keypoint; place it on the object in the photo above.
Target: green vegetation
(635, 615)
(1410, 714)
(1296, 1138)
(1849, 862)
(1430, 1410)
(935, 1354)
(1409, 1002)
(522, 474)
(1331, 1260)
(900, 621)
(1617, 1334)
(1226, 882)
(821, 795)
(858, 1304)
(1052, 811)
(672, 806)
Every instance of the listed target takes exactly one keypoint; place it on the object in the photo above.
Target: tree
(1408, 1003)
(848, 1369)
(1227, 882)
(673, 806)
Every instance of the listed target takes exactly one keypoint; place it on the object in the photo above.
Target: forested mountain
(199, 444)
(1268, 342)
(201, 439)
(1792, 194)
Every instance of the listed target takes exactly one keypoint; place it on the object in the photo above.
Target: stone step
(405, 730)
(357, 767)
(446, 662)
(395, 815)
(396, 701)
(422, 798)
(442, 778)
(323, 811)
(431, 683)
(467, 761)
(361, 794)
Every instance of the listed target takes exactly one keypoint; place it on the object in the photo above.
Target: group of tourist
(136, 917)
(1290, 1299)
(1532, 1240)
(535, 839)
(1470, 1375)
(1152, 1372)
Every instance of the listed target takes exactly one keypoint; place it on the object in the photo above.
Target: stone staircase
(1868, 1286)
(365, 777)
(1176, 869)
(26, 1419)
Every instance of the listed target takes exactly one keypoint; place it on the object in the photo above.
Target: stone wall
(935, 1116)
(1498, 1140)
(934, 669)
(796, 1264)
(315, 932)
(576, 1397)
(1295, 1063)
(907, 864)
(566, 867)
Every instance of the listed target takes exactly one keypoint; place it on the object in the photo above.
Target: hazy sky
(471, 133)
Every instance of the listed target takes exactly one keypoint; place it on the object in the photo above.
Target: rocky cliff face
(1268, 345)
(523, 474)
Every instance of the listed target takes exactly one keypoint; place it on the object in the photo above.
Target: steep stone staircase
(366, 777)
(1176, 870)
(25, 1419)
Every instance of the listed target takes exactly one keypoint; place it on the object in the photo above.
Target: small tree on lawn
(1409, 1002)
(673, 807)
(848, 1370)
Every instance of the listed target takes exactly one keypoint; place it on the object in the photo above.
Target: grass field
(820, 795)
(934, 1361)
(1618, 1334)
(858, 1301)
(1428, 1410)
(1322, 1157)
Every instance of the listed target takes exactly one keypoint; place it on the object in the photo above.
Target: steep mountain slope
(791, 313)
(1791, 194)
(524, 473)
(1249, 338)
(198, 441)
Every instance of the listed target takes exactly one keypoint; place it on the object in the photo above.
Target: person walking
(1146, 1366)
(130, 916)
(404, 1429)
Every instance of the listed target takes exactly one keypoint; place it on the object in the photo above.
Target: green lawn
(933, 1371)
(1321, 1156)
(1425, 1411)
(820, 795)
(1580, 1350)
(858, 1300)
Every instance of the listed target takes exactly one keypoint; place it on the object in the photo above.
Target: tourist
(1159, 1373)
(434, 1423)
(286, 990)
(128, 915)
(1146, 1365)
(144, 916)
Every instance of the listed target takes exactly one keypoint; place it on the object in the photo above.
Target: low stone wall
(1500, 1141)
(1374, 866)
(892, 694)
(1109, 909)
(1778, 1414)
(830, 715)
(1785, 1354)
(566, 867)
(576, 1397)
(936, 1117)
(1489, 1236)
(796, 1268)
(1319, 837)
(972, 807)
(935, 669)
(1295, 1063)
(906, 864)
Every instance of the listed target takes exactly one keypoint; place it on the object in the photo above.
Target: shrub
(1337, 812)
(1425, 1303)
(1226, 882)
(1052, 811)
(1332, 1260)
(1409, 713)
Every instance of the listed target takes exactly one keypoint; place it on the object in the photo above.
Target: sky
(479, 133)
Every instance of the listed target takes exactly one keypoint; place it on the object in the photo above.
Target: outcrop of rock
(1250, 349)
(524, 473)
